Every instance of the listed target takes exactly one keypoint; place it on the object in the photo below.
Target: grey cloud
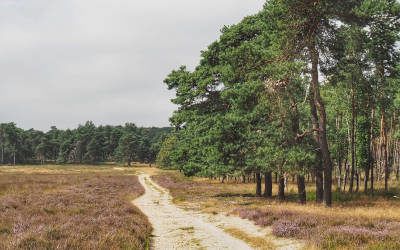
(63, 62)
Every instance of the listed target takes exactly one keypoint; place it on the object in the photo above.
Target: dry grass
(70, 207)
(256, 242)
(355, 221)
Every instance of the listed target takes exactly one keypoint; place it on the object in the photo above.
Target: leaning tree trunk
(322, 122)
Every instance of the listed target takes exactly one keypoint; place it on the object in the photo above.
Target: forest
(303, 89)
(87, 144)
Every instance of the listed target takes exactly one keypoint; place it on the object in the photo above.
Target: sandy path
(175, 228)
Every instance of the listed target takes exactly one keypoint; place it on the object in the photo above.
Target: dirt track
(176, 228)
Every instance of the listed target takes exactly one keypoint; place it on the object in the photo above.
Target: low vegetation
(70, 208)
(364, 221)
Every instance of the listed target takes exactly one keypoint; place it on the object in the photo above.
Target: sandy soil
(177, 228)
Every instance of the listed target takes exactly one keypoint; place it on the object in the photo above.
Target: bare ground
(178, 228)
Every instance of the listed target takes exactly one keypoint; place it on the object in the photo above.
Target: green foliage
(128, 148)
(256, 101)
(225, 124)
(86, 144)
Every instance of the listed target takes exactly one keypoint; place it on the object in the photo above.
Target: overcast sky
(63, 62)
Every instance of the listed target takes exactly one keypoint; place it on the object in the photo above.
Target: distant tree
(95, 147)
(127, 148)
(41, 150)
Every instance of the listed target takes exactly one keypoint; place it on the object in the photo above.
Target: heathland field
(113, 207)
(356, 221)
(71, 207)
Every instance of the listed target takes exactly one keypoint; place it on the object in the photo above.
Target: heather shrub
(286, 228)
(345, 236)
(336, 228)
(71, 211)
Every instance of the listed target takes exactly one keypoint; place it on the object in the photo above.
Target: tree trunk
(301, 185)
(372, 179)
(357, 181)
(258, 185)
(366, 179)
(223, 179)
(339, 187)
(346, 175)
(281, 190)
(319, 179)
(268, 185)
(339, 156)
(318, 168)
(352, 139)
(322, 122)
(384, 151)
(370, 164)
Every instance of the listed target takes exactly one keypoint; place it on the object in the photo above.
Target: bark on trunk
(322, 125)
(318, 168)
(370, 164)
(366, 179)
(281, 191)
(340, 182)
(258, 186)
(301, 185)
(352, 139)
(268, 185)
(319, 179)
(322, 122)
(384, 149)
(357, 181)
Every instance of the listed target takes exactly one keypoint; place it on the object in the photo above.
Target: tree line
(87, 144)
(302, 88)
